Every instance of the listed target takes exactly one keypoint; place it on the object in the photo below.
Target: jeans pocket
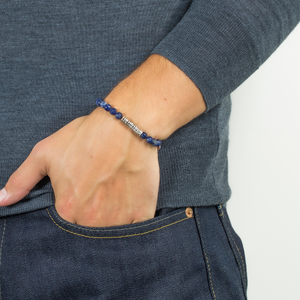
(46, 257)
(122, 231)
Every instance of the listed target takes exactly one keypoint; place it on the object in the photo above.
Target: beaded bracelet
(119, 116)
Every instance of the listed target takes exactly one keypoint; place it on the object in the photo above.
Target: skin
(101, 172)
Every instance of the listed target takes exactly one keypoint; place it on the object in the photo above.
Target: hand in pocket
(102, 174)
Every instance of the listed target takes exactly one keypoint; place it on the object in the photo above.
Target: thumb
(23, 180)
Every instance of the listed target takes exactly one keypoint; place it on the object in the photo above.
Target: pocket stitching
(206, 259)
(116, 237)
(231, 239)
(105, 230)
(241, 257)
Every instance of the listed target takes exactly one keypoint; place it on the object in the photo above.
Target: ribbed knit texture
(58, 57)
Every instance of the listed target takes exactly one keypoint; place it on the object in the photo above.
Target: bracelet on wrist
(155, 142)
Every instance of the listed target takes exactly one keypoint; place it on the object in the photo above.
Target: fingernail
(3, 194)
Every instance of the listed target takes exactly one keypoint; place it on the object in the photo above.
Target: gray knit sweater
(58, 57)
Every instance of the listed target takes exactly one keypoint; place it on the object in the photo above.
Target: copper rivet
(189, 212)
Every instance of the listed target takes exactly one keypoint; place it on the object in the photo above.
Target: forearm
(158, 97)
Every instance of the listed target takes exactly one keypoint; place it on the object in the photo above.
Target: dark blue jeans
(183, 254)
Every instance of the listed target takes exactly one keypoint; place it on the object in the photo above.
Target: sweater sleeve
(220, 43)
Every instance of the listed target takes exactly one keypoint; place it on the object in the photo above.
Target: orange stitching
(4, 226)
(241, 256)
(208, 266)
(88, 229)
(244, 268)
(229, 231)
(114, 237)
(210, 277)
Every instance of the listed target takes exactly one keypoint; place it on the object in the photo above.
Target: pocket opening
(130, 230)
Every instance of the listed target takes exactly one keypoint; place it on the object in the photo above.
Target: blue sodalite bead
(156, 143)
(119, 115)
(102, 104)
(113, 111)
(144, 135)
(98, 102)
(107, 107)
(149, 140)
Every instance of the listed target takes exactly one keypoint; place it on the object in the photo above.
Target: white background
(264, 173)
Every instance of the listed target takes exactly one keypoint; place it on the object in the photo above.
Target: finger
(23, 180)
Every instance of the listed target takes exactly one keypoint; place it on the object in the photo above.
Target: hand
(101, 172)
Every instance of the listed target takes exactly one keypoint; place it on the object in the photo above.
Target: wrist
(116, 135)
(157, 97)
(119, 116)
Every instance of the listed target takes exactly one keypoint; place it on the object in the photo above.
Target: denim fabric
(176, 255)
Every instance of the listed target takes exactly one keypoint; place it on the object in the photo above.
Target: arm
(102, 174)
(113, 180)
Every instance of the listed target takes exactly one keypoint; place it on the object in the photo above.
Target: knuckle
(15, 179)
(39, 152)
(16, 184)
(38, 149)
